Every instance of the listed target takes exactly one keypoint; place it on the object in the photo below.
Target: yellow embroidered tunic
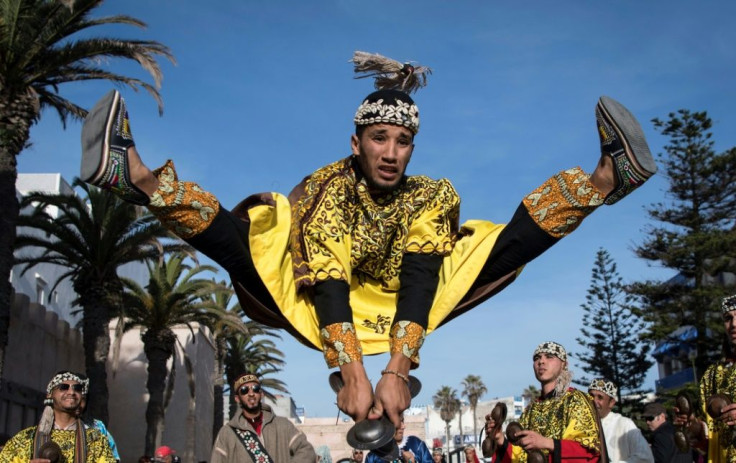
(20, 447)
(337, 230)
(719, 378)
(571, 417)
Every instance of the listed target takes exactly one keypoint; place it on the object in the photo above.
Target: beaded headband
(60, 378)
(391, 104)
(552, 348)
(729, 304)
(604, 386)
(246, 378)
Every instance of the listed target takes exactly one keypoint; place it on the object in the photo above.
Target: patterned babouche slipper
(106, 138)
(623, 139)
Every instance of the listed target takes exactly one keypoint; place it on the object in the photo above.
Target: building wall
(185, 420)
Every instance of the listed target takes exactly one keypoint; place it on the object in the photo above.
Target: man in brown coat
(256, 434)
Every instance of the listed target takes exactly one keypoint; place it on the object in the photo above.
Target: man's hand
(728, 414)
(531, 440)
(408, 456)
(490, 425)
(392, 392)
(356, 396)
(681, 419)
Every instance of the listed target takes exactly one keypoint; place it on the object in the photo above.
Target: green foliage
(90, 238)
(695, 235)
(610, 332)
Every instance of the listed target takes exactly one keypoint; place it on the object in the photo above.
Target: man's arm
(301, 450)
(635, 449)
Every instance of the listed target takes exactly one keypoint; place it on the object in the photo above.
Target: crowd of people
(362, 259)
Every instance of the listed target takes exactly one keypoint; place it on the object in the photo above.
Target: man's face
(383, 151)
(249, 397)
(67, 396)
(436, 457)
(162, 458)
(729, 323)
(399, 434)
(547, 367)
(603, 403)
(653, 422)
(358, 455)
(469, 454)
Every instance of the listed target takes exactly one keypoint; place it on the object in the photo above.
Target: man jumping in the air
(361, 259)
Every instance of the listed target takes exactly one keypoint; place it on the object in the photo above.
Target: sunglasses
(76, 387)
(649, 418)
(256, 388)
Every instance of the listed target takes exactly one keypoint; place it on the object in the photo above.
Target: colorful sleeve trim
(183, 207)
(407, 338)
(340, 344)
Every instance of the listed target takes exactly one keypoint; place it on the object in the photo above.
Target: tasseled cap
(551, 348)
(729, 304)
(394, 81)
(605, 386)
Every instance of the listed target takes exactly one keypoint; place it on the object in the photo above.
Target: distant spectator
(164, 454)
(663, 436)
(323, 454)
(470, 455)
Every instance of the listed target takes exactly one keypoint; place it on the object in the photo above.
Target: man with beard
(624, 441)
(60, 435)
(360, 258)
(562, 423)
(256, 434)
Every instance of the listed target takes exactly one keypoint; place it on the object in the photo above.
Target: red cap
(164, 451)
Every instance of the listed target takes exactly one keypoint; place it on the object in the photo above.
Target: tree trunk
(219, 386)
(158, 347)
(460, 425)
(475, 424)
(17, 113)
(447, 435)
(96, 342)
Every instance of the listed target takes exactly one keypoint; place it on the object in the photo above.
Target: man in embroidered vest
(256, 434)
(562, 424)
(718, 384)
(60, 425)
(624, 441)
(360, 258)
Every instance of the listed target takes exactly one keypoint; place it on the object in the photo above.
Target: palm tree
(45, 43)
(91, 238)
(448, 404)
(174, 296)
(473, 390)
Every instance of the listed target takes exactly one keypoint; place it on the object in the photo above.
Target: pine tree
(610, 333)
(695, 237)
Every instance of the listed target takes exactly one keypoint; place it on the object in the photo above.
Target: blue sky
(263, 94)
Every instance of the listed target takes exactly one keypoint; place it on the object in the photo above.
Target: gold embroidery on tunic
(338, 228)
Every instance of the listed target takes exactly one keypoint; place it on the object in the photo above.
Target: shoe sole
(630, 133)
(95, 140)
